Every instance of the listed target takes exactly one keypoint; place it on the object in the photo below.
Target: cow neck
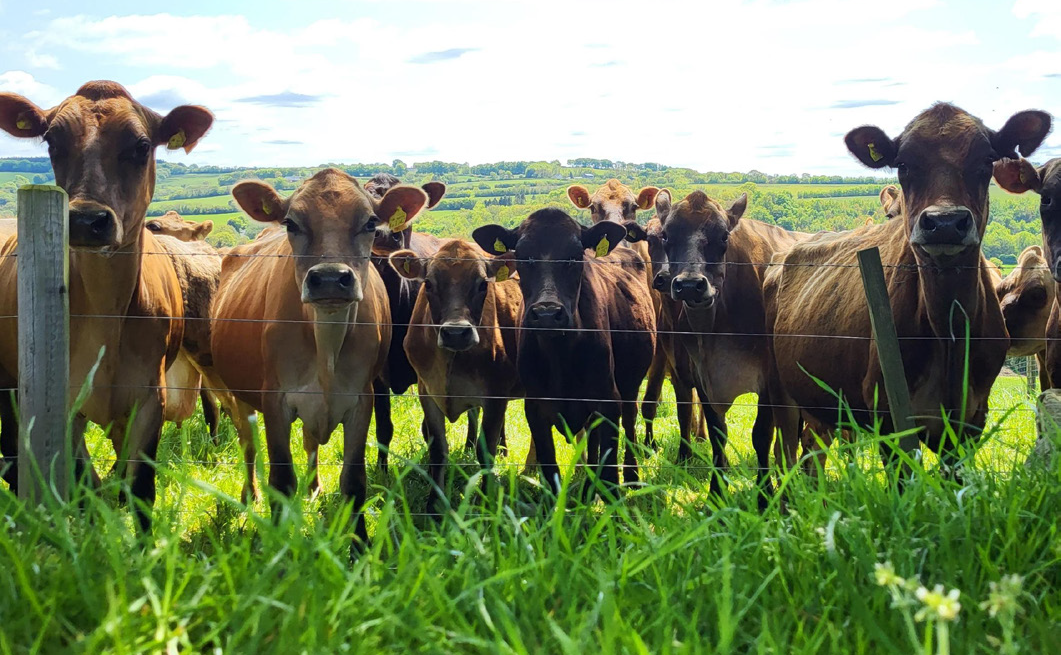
(329, 334)
(107, 282)
(947, 296)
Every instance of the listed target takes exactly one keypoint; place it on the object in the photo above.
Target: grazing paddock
(666, 570)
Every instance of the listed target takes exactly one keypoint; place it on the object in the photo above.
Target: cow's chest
(726, 367)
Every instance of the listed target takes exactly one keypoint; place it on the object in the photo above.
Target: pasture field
(665, 570)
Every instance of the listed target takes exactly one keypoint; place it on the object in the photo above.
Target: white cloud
(37, 60)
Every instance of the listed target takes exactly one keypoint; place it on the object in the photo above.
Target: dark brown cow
(716, 263)
(1019, 176)
(938, 283)
(301, 321)
(587, 334)
(101, 144)
(462, 343)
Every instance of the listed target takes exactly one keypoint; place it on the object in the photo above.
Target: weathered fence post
(43, 342)
(891, 361)
(1031, 369)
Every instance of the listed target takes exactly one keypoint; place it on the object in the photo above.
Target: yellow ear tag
(406, 266)
(398, 219)
(873, 154)
(502, 274)
(22, 123)
(266, 209)
(499, 247)
(1023, 177)
(177, 140)
(630, 235)
(602, 247)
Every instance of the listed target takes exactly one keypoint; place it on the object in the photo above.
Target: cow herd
(339, 303)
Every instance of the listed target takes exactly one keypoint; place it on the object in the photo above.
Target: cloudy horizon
(731, 86)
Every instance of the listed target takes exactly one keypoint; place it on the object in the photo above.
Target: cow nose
(549, 315)
(691, 289)
(659, 282)
(457, 336)
(950, 225)
(92, 227)
(331, 284)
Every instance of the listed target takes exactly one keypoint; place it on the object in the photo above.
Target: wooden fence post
(891, 361)
(44, 451)
(1031, 369)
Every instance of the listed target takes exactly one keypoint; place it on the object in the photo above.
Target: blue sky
(770, 85)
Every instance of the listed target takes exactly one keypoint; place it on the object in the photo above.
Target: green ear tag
(873, 154)
(177, 140)
(602, 247)
(630, 235)
(406, 266)
(499, 247)
(22, 123)
(266, 209)
(502, 274)
(398, 219)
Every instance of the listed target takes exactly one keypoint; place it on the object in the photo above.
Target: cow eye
(427, 285)
(138, 154)
(483, 285)
(292, 227)
(663, 237)
(371, 225)
(154, 227)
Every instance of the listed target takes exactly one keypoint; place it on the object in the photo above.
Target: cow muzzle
(661, 280)
(457, 336)
(693, 290)
(548, 316)
(94, 228)
(331, 285)
(945, 231)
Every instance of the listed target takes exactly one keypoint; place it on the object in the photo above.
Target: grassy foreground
(666, 570)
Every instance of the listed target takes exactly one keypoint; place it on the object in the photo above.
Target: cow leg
(353, 481)
(245, 433)
(9, 439)
(532, 458)
(650, 403)
(493, 428)
(437, 450)
(278, 444)
(1044, 375)
(629, 416)
(311, 444)
(683, 396)
(473, 429)
(716, 428)
(541, 429)
(381, 401)
(210, 413)
(145, 432)
(762, 440)
(607, 432)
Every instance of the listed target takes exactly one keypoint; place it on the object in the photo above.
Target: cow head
(377, 186)
(944, 160)
(102, 147)
(171, 224)
(331, 223)
(549, 250)
(1018, 176)
(456, 280)
(612, 202)
(891, 201)
(657, 254)
(694, 235)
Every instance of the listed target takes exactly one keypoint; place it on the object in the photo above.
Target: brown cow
(716, 263)
(937, 278)
(1019, 176)
(301, 322)
(587, 334)
(890, 201)
(101, 143)
(171, 224)
(461, 341)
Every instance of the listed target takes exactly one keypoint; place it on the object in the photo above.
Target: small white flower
(1003, 596)
(937, 604)
(885, 575)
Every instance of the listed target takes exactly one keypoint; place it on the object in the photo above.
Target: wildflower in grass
(936, 604)
(886, 576)
(1003, 597)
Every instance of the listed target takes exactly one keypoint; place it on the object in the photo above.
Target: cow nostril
(346, 279)
(99, 225)
(701, 285)
(1047, 200)
(314, 279)
(927, 222)
(964, 223)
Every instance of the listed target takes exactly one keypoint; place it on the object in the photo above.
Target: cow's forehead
(332, 193)
(945, 129)
(697, 210)
(87, 114)
(613, 191)
(457, 259)
(1051, 174)
(549, 232)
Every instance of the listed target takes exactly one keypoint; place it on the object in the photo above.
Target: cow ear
(495, 239)
(400, 205)
(408, 264)
(502, 267)
(647, 197)
(1024, 130)
(1030, 251)
(603, 237)
(20, 117)
(635, 232)
(203, 229)
(663, 204)
(434, 191)
(183, 127)
(1017, 175)
(736, 210)
(579, 196)
(890, 201)
(871, 146)
(259, 200)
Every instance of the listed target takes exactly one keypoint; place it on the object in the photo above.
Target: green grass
(665, 570)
